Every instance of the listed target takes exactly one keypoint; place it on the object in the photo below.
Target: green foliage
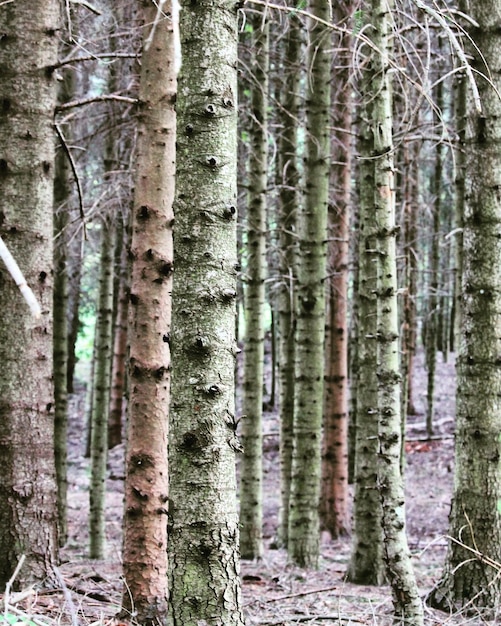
(8, 618)
(358, 21)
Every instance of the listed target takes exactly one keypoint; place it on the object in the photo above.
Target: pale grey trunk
(408, 608)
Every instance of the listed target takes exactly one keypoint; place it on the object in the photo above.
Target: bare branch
(104, 98)
(75, 174)
(94, 57)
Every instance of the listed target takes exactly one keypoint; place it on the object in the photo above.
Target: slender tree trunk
(120, 347)
(28, 513)
(471, 573)
(303, 541)
(74, 270)
(204, 560)
(146, 485)
(366, 562)
(251, 468)
(411, 195)
(434, 300)
(286, 298)
(101, 393)
(62, 203)
(334, 495)
(408, 607)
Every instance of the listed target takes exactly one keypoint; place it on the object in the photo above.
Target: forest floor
(274, 593)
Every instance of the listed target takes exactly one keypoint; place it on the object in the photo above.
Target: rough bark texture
(145, 526)
(407, 604)
(204, 585)
(471, 573)
(286, 299)
(366, 562)
(28, 515)
(251, 468)
(334, 492)
(303, 541)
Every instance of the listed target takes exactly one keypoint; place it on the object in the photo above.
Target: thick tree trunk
(303, 541)
(204, 560)
(28, 495)
(251, 468)
(286, 299)
(471, 573)
(146, 485)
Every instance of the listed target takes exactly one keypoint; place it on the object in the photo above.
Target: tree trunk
(303, 541)
(62, 211)
(334, 496)
(146, 485)
(204, 560)
(28, 514)
(408, 607)
(251, 468)
(286, 298)
(101, 393)
(120, 346)
(366, 562)
(471, 572)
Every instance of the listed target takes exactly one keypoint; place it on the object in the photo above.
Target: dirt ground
(274, 593)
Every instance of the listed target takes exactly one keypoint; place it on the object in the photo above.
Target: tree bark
(286, 298)
(101, 394)
(366, 561)
(334, 491)
(407, 603)
(251, 467)
(28, 494)
(146, 485)
(303, 541)
(204, 561)
(471, 573)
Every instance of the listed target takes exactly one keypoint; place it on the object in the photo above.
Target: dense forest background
(258, 246)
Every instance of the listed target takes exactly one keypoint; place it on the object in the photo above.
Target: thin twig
(75, 174)
(291, 619)
(104, 98)
(9, 585)
(301, 594)
(94, 57)
(67, 597)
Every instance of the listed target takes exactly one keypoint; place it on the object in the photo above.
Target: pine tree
(303, 540)
(204, 561)
(251, 470)
(146, 487)
(470, 577)
(28, 514)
